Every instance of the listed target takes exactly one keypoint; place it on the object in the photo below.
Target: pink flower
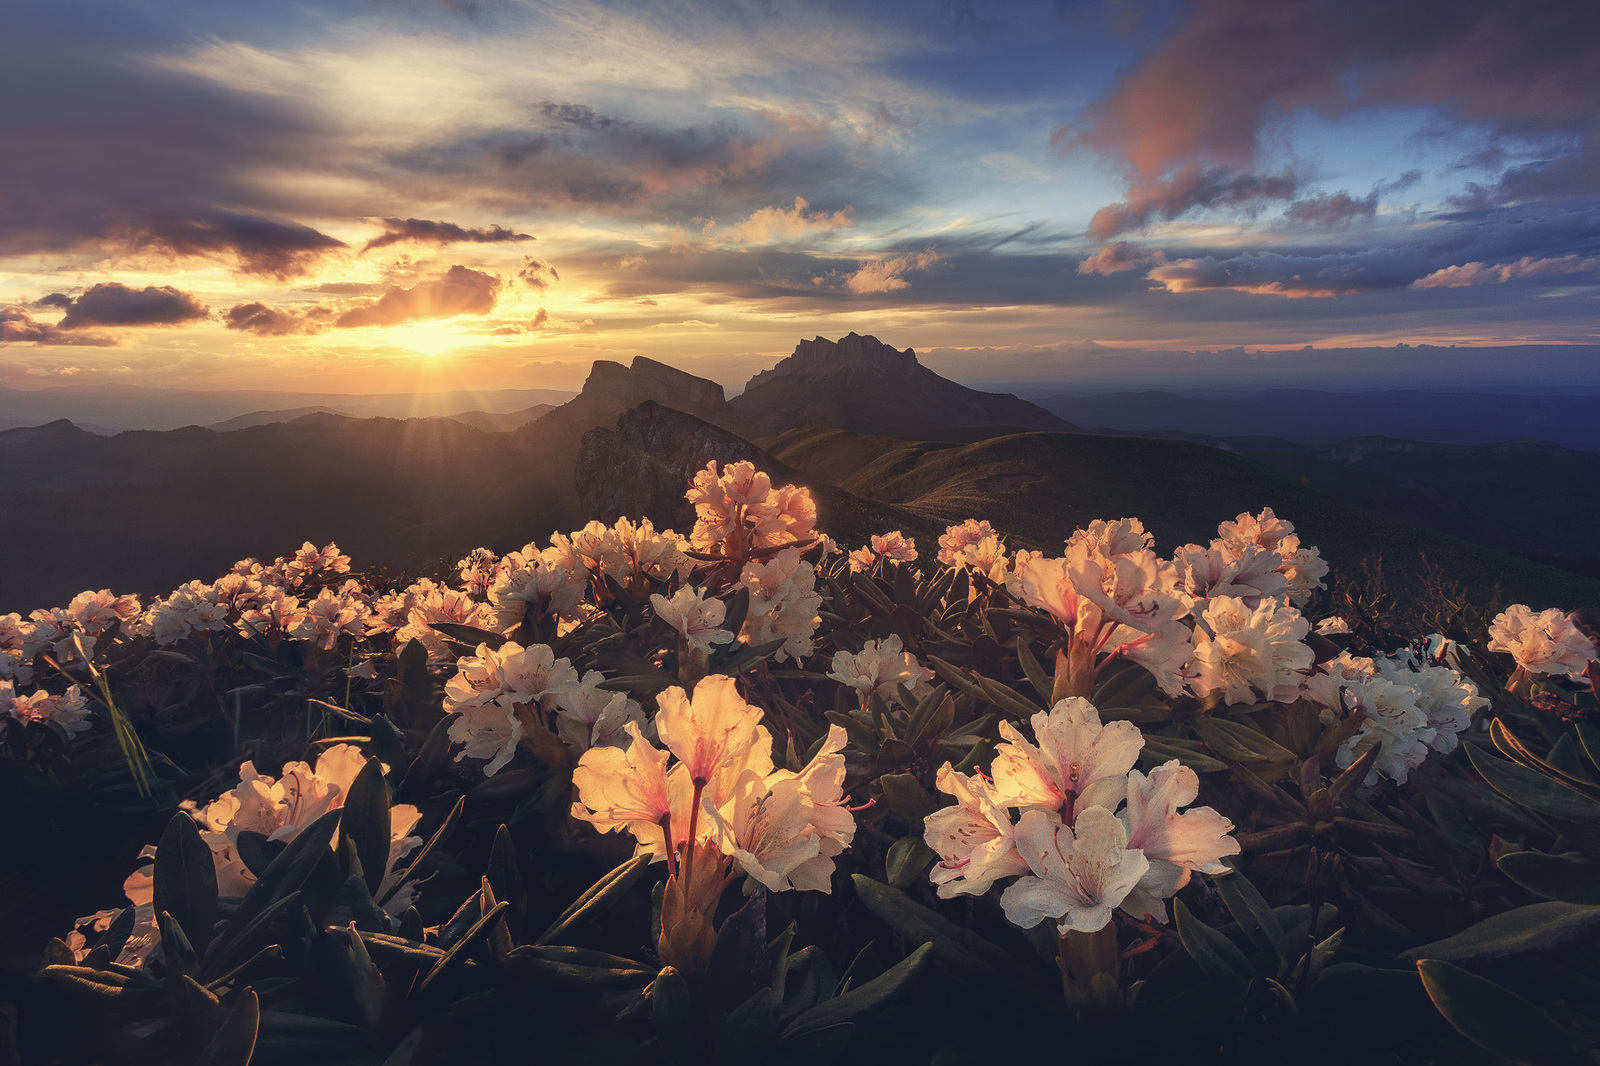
(1544, 643)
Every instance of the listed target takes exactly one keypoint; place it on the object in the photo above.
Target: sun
(431, 339)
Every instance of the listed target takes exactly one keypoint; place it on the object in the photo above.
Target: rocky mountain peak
(615, 385)
(822, 356)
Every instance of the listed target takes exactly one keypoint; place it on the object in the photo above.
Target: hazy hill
(861, 384)
(1313, 417)
(1039, 487)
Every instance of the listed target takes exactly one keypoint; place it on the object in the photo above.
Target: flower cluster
(69, 710)
(1544, 643)
(738, 512)
(781, 827)
(1048, 815)
(499, 695)
(894, 547)
(1408, 704)
(881, 667)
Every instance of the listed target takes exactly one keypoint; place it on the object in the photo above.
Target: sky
(383, 195)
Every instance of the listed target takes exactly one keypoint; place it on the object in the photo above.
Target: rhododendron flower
(276, 613)
(428, 604)
(697, 620)
(626, 789)
(956, 538)
(311, 560)
(1265, 530)
(95, 612)
(1176, 844)
(862, 560)
(16, 653)
(478, 569)
(1391, 720)
(279, 808)
(1078, 762)
(738, 511)
(1242, 652)
(330, 616)
(974, 839)
(1443, 695)
(783, 603)
(140, 890)
(1201, 573)
(784, 829)
(1544, 643)
(69, 710)
(1331, 626)
(540, 581)
(1080, 872)
(486, 690)
(716, 735)
(881, 667)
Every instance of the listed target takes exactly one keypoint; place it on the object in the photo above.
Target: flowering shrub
(576, 787)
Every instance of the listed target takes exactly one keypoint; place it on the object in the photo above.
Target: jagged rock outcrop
(627, 386)
(863, 385)
(645, 464)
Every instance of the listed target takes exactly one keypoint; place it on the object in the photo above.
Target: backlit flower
(1078, 762)
(1244, 653)
(1176, 844)
(697, 620)
(974, 838)
(1080, 872)
(1544, 643)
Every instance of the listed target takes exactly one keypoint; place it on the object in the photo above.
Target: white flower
(69, 710)
(1176, 844)
(1448, 699)
(1243, 652)
(881, 667)
(139, 888)
(485, 692)
(975, 838)
(587, 716)
(1081, 872)
(1392, 721)
(697, 620)
(1078, 761)
(783, 603)
(1544, 643)
(959, 537)
(1332, 625)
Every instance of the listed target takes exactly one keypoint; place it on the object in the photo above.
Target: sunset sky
(373, 196)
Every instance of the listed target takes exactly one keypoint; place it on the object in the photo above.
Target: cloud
(111, 303)
(426, 231)
(1220, 92)
(1191, 187)
(17, 326)
(461, 291)
(884, 274)
(1271, 274)
(347, 288)
(1466, 274)
(1340, 209)
(537, 275)
(1118, 256)
(632, 262)
(266, 321)
(790, 224)
(258, 245)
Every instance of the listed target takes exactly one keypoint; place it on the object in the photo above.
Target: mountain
(1307, 416)
(267, 418)
(861, 384)
(490, 422)
(1039, 487)
(118, 407)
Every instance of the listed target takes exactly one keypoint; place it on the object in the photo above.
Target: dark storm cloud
(460, 291)
(117, 154)
(111, 303)
(1268, 273)
(426, 231)
(17, 326)
(1205, 101)
(265, 320)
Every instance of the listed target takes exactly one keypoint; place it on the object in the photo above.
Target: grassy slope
(1038, 487)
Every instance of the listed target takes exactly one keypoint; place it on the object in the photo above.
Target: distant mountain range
(1305, 416)
(108, 409)
(882, 441)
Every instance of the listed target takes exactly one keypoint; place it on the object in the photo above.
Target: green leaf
(1589, 740)
(440, 835)
(1041, 682)
(1211, 949)
(1158, 750)
(1493, 1017)
(1254, 915)
(595, 901)
(235, 1040)
(1569, 878)
(862, 1000)
(256, 851)
(1530, 928)
(506, 879)
(1532, 789)
(288, 873)
(365, 822)
(471, 636)
(907, 799)
(458, 951)
(577, 967)
(186, 880)
(748, 1029)
(1240, 742)
(908, 858)
(672, 1013)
